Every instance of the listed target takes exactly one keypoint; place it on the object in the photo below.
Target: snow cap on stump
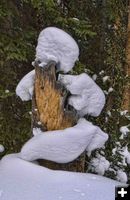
(56, 45)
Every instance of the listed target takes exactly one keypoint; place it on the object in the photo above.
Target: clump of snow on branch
(64, 146)
(124, 130)
(121, 176)
(6, 91)
(110, 90)
(106, 78)
(25, 180)
(1, 148)
(26, 86)
(87, 97)
(56, 45)
(94, 77)
(124, 154)
(99, 164)
(124, 112)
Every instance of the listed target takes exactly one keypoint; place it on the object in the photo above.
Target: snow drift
(22, 180)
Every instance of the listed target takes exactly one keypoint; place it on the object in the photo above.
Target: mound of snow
(64, 146)
(87, 97)
(22, 180)
(56, 45)
(26, 86)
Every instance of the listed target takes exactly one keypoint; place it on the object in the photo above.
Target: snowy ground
(22, 180)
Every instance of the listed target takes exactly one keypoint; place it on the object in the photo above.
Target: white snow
(37, 131)
(124, 112)
(30, 112)
(109, 113)
(64, 146)
(39, 123)
(57, 45)
(101, 72)
(105, 92)
(58, 2)
(1, 148)
(75, 18)
(126, 155)
(94, 77)
(25, 87)
(99, 164)
(124, 130)
(7, 91)
(105, 78)
(22, 180)
(1, 193)
(121, 176)
(87, 97)
(110, 90)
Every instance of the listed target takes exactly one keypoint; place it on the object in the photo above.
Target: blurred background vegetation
(99, 27)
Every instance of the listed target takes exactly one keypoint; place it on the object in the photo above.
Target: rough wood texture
(49, 111)
(50, 99)
(77, 165)
(126, 93)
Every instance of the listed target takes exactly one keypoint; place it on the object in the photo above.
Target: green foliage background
(99, 27)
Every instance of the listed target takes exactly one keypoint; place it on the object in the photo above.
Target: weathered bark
(126, 93)
(49, 111)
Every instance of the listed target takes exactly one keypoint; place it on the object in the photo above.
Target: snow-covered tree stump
(50, 110)
(61, 134)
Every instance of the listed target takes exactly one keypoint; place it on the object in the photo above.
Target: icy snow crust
(26, 86)
(87, 97)
(22, 180)
(64, 146)
(56, 45)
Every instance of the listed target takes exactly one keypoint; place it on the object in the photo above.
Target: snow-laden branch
(64, 146)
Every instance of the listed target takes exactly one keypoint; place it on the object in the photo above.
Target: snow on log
(87, 97)
(63, 146)
(56, 45)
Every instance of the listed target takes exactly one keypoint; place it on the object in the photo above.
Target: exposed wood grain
(50, 97)
(49, 111)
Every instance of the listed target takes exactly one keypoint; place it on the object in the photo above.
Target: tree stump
(50, 111)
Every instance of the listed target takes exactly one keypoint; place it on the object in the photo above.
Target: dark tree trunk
(103, 31)
(126, 93)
